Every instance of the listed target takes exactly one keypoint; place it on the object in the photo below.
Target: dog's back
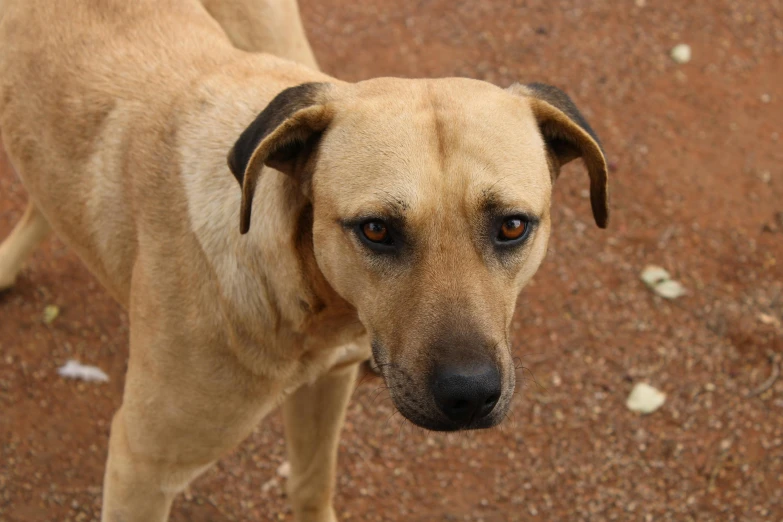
(108, 53)
(88, 94)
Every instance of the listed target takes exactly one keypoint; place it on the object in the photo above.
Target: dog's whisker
(376, 395)
(395, 412)
(399, 431)
(364, 379)
(533, 378)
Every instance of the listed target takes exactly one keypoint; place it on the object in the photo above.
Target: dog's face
(430, 213)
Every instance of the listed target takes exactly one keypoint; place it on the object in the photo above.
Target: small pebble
(766, 98)
(645, 399)
(50, 313)
(681, 53)
(653, 275)
(660, 282)
(670, 289)
(769, 319)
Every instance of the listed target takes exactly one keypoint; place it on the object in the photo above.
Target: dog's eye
(513, 229)
(377, 232)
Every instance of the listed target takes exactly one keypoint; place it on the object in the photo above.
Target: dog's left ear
(283, 136)
(568, 136)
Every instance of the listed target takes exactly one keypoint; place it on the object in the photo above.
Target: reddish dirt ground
(697, 186)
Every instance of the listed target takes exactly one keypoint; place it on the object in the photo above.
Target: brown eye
(512, 229)
(376, 231)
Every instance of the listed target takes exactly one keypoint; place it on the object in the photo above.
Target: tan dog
(408, 213)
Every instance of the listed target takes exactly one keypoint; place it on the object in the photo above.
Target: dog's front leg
(187, 400)
(134, 488)
(313, 419)
(171, 429)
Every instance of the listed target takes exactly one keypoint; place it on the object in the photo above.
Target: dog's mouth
(439, 422)
(449, 397)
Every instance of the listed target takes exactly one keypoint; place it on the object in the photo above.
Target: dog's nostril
(488, 405)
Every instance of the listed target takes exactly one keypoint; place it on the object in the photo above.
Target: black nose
(466, 392)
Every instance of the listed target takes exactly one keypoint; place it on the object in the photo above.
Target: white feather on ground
(76, 370)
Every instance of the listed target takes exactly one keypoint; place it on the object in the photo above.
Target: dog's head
(430, 213)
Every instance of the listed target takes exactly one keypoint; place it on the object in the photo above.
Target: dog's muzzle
(462, 391)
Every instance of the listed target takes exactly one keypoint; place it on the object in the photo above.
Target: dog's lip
(442, 425)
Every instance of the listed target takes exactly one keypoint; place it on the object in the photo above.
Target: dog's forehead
(433, 141)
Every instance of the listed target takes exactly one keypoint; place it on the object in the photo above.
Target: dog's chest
(317, 359)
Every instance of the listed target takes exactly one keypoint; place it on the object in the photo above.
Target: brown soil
(697, 187)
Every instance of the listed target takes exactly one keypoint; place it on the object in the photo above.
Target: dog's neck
(271, 287)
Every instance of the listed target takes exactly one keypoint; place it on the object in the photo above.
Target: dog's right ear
(568, 136)
(283, 136)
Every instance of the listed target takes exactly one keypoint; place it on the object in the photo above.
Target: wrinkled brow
(393, 205)
(493, 201)
(388, 207)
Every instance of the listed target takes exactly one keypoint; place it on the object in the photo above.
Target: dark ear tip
(244, 224)
(601, 214)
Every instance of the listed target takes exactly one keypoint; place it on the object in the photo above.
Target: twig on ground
(774, 361)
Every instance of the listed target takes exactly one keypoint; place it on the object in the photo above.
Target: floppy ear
(568, 136)
(283, 136)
